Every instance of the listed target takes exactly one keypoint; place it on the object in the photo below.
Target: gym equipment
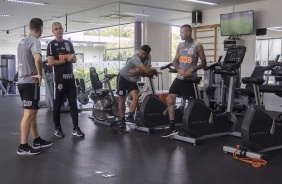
(199, 121)
(260, 132)
(105, 107)
(151, 115)
(8, 75)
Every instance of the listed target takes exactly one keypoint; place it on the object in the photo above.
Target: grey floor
(133, 158)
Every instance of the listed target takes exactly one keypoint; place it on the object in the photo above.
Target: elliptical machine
(260, 132)
(201, 122)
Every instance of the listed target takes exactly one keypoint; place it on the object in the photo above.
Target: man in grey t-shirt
(29, 80)
(127, 81)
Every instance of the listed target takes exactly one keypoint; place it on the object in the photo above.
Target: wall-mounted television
(237, 23)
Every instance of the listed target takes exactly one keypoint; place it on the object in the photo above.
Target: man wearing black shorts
(127, 81)
(186, 64)
(29, 80)
(61, 55)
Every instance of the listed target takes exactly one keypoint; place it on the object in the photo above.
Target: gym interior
(106, 33)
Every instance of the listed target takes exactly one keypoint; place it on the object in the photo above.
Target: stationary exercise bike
(201, 122)
(105, 107)
(260, 132)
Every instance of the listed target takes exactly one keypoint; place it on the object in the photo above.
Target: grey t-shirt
(26, 63)
(133, 63)
(188, 57)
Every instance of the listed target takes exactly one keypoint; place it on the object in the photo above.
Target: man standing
(127, 81)
(29, 80)
(61, 55)
(186, 64)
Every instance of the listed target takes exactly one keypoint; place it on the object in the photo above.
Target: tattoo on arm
(202, 56)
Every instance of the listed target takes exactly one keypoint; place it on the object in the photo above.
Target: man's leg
(33, 126)
(121, 109)
(133, 105)
(170, 99)
(58, 101)
(26, 125)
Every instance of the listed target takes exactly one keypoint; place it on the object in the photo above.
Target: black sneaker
(27, 150)
(130, 119)
(170, 133)
(122, 125)
(41, 144)
(59, 133)
(78, 132)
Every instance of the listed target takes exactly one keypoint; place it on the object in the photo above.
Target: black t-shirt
(60, 51)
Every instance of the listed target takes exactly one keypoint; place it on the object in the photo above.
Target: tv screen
(238, 23)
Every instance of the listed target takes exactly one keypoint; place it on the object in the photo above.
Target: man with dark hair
(29, 81)
(61, 55)
(127, 81)
(186, 64)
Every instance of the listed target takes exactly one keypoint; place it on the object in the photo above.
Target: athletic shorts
(125, 86)
(30, 95)
(182, 88)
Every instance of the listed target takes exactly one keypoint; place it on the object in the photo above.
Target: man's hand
(132, 71)
(156, 73)
(71, 58)
(39, 77)
(188, 73)
(181, 72)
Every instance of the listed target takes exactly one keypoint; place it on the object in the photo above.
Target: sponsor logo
(185, 59)
(67, 76)
(27, 103)
(56, 44)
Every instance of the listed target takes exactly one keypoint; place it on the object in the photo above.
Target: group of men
(61, 55)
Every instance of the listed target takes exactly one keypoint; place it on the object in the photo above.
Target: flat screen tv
(238, 23)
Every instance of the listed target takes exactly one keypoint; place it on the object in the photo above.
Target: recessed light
(202, 2)
(26, 2)
(5, 15)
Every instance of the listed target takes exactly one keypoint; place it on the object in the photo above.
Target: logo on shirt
(56, 44)
(67, 46)
(185, 59)
(191, 50)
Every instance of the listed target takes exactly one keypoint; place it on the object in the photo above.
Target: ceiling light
(202, 2)
(132, 14)
(5, 15)
(117, 16)
(275, 28)
(26, 2)
(86, 22)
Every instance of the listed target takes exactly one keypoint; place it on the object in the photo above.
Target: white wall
(267, 14)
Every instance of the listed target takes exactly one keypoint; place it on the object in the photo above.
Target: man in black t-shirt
(61, 55)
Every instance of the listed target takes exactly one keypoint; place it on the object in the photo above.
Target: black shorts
(125, 85)
(182, 88)
(30, 95)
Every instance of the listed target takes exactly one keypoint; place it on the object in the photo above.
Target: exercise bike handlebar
(166, 66)
(276, 63)
(150, 75)
(110, 76)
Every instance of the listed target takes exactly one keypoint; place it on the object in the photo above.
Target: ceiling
(85, 14)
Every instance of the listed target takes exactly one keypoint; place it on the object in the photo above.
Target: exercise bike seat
(196, 80)
(254, 80)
